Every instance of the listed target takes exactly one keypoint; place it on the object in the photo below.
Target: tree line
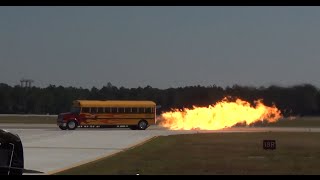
(301, 99)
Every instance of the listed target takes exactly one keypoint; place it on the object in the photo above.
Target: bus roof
(112, 103)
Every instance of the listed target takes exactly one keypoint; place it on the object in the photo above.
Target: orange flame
(221, 115)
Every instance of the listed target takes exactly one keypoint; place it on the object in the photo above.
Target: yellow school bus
(109, 113)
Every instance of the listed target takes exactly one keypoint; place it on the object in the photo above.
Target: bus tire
(72, 125)
(62, 127)
(142, 125)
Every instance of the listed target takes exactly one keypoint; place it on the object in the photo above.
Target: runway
(48, 149)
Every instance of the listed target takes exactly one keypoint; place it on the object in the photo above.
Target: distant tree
(301, 99)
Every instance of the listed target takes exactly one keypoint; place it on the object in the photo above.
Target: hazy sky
(160, 46)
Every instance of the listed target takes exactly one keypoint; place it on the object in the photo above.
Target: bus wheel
(72, 125)
(142, 125)
(63, 127)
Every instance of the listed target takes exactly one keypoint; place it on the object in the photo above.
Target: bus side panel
(151, 121)
(116, 121)
(86, 118)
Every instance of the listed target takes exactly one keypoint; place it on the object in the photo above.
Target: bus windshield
(75, 110)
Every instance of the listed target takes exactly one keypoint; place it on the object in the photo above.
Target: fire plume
(225, 113)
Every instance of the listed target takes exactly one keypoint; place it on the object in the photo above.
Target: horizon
(205, 86)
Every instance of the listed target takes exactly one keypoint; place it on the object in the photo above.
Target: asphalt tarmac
(47, 149)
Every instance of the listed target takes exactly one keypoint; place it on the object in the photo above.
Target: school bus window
(127, 110)
(114, 110)
(152, 110)
(100, 110)
(134, 110)
(120, 110)
(148, 110)
(107, 110)
(141, 110)
(93, 110)
(85, 110)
